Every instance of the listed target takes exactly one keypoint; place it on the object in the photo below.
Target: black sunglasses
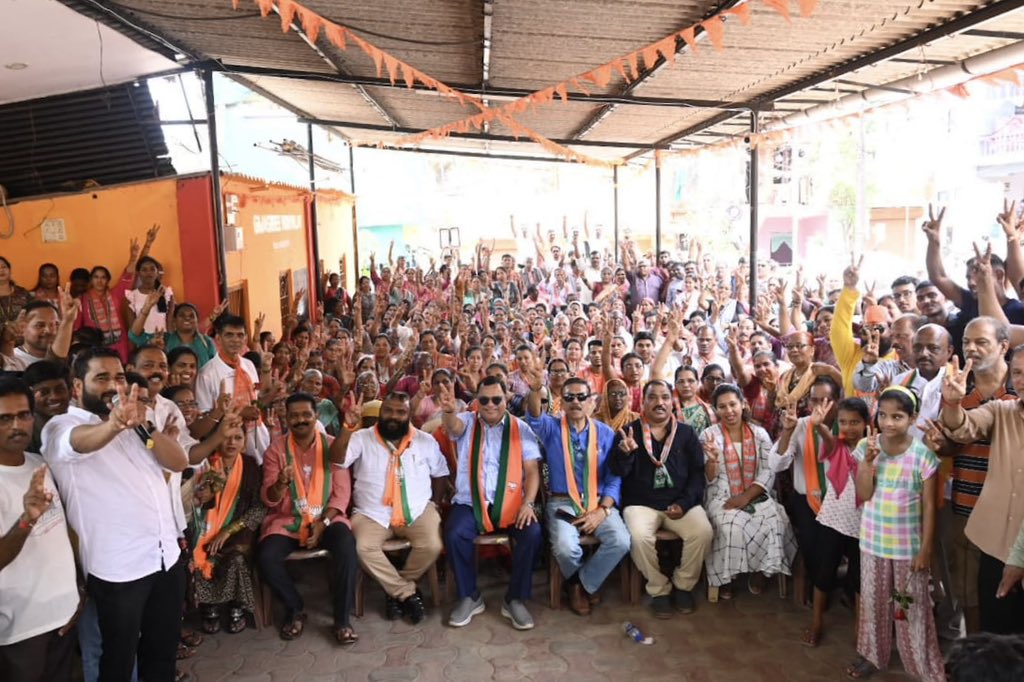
(490, 400)
(573, 397)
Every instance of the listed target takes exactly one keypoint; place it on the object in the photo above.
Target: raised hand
(934, 437)
(153, 297)
(446, 399)
(627, 443)
(870, 355)
(151, 233)
(954, 383)
(69, 305)
(711, 454)
(134, 249)
(983, 264)
(851, 275)
(933, 226)
(37, 498)
(820, 412)
(1009, 220)
(873, 449)
(128, 412)
(789, 418)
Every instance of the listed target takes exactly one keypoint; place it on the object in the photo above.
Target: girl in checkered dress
(896, 480)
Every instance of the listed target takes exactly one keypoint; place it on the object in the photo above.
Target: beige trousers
(695, 530)
(425, 535)
(964, 569)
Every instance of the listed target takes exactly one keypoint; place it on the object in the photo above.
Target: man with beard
(492, 447)
(111, 474)
(985, 343)
(38, 590)
(932, 304)
(47, 333)
(306, 500)
(51, 395)
(997, 512)
(581, 488)
(875, 326)
(400, 478)
(661, 463)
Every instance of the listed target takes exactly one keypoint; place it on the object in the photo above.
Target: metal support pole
(355, 223)
(217, 199)
(752, 179)
(314, 232)
(657, 209)
(615, 208)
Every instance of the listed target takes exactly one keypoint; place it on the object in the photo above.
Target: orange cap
(876, 314)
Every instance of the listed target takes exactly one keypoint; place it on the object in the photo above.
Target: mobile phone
(566, 515)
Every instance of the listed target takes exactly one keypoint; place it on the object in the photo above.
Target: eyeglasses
(490, 400)
(558, 371)
(544, 401)
(575, 397)
(617, 394)
(7, 420)
(796, 346)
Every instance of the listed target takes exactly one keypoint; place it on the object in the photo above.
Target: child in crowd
(896, 481)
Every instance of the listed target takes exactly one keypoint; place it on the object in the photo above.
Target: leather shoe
(578, 601)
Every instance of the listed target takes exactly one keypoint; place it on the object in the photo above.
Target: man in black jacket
(661, 463)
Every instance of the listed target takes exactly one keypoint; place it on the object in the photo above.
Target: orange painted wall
(264, 256)
(99, 226)
(334, 232)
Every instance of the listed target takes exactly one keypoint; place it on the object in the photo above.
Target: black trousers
(340, 542)
(831, 546)
(44, 658)
(140, 618)
(1000, 616)
(805, 527)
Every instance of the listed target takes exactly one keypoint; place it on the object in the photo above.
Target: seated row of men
(114, 471)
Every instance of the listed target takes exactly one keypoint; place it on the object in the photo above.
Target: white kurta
(761, 542)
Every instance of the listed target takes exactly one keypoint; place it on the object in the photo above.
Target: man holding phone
(584, 492)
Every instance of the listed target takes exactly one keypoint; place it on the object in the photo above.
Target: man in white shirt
(221, 375)
(111, 474)
(38, 590)
(47, 334)
(399, 478)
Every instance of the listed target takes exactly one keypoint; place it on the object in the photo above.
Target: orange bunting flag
(311, 22)
(620, 66)
(780, 6)
(960, 91)
(650, 56)
(266, 7)
(408, 75)
(689, 35)
(561, 90)
(716, 31)
(579, 86)
(391, 64)
(634, 65)
(336, 35)
(286, 8)
(807, 7)
(742, 12)
(602, 75)
(667, 48)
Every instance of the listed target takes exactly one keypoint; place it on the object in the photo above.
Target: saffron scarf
(105, 317)
(222, 513)
(814, 469)
(740, 467)
(588, 501)
(784, 396)
(508, 495)
(319, 486)
(244, 392)
(395, 495)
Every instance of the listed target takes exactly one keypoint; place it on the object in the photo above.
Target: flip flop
(346, 636)
(293, 628)
(810, 638)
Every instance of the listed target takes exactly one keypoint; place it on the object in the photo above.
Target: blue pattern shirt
(549, 431)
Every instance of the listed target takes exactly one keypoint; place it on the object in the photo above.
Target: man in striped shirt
(985, 343)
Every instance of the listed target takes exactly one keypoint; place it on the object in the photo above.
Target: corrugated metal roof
(535, 43)
(60, 143)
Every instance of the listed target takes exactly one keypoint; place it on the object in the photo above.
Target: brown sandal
(346, 636)
(191, 638)
(810, 638)
(293, 628)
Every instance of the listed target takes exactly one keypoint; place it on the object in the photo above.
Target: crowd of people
(153, 460)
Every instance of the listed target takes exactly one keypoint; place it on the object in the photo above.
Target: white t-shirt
(216, 374)
(165, 410)
(38, 593)
(156, 320)
(369, 461)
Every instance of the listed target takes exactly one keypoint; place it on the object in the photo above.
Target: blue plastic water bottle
(633, 632)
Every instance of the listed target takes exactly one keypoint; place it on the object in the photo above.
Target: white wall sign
(269, 224)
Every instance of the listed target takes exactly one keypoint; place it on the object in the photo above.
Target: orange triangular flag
(960, 91)
(234, 5)
(667, 48)
(311, 22)
(266, 6)
(376, 54)
(335, 34)
(409, 74)
(650, 56)
(742, 12)
(286, 8)
(620, 66)
(716, 31)
(807, 7)
(391, 63)
(634, 65)
(561, 90)
(602, 75)
(689, 35)
(780, 6)
(579, 86)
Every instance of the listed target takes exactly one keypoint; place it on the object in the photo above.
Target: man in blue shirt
(497, 481)
(584, 492)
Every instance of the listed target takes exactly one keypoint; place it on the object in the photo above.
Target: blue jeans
(565, 545)
(91, 643)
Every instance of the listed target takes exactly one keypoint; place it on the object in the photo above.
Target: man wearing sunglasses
(497, 481)
(584, 492)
